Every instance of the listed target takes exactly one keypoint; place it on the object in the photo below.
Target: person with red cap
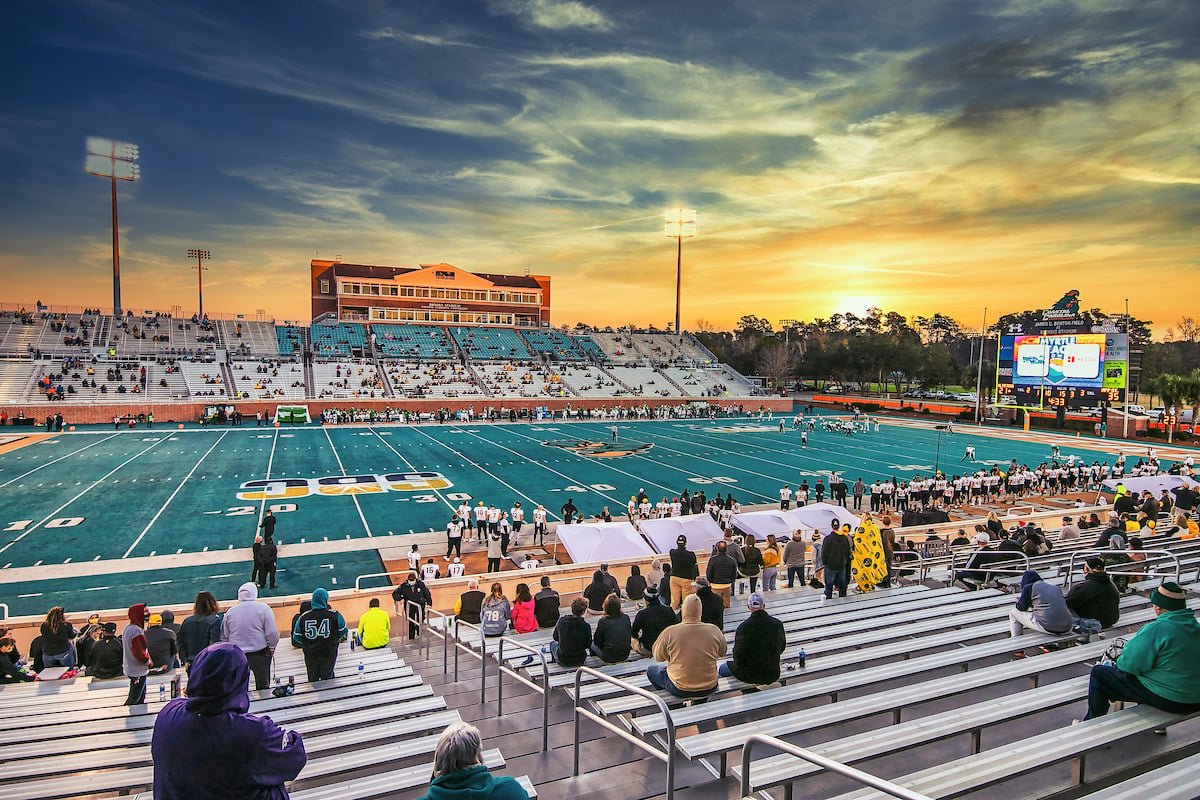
(135, 655)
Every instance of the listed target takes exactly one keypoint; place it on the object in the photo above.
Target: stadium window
(444, 275)
(324, 286)
(374, 289)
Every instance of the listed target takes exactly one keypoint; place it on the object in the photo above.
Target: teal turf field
(94, 500)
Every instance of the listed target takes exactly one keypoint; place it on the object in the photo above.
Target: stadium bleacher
(354, 379)
(412, 341)
(491, 344)
(268, 380)
(431, 379)
(339, 339)
(554, 343)
(287, 338)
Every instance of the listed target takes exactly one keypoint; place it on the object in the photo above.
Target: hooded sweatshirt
(1046, 602)
(250, 624)
(691, 649)
(206, 747)
(135, 659)
(319, 629)
(474, 783)
(1165, 656)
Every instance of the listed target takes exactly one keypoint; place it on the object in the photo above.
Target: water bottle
(352, 638)
(162, 693)
(291, 687)
(801, 658)
(360, 670)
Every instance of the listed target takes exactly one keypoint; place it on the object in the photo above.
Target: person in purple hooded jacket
(206, 747)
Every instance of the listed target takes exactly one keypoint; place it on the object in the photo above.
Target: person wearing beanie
(757, 646)
(251, 626)
(1159, 666)
(1040, 607)
(712, 608)
(650, 622)
(318, 632)
(687, 655)
(1095, 597)
(135, 658)
(206, 747)
(162, 644)
(684, 570)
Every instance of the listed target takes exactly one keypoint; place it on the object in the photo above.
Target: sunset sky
(923, 156)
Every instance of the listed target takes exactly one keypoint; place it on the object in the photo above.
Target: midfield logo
(340, 485)
(582, 447)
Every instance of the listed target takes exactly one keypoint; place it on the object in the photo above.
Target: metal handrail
(991, 568)
(1141, 566)
(6, 612)
(544, 688)
(443, 634)
(358, 580)
(458, 645)
(858, 775)
(923, 565)
(669, 727)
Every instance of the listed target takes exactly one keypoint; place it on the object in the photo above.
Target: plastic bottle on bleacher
(360, 670)
(162, 693)
(801, 658)
(291, 687)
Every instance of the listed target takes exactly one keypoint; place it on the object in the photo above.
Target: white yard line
(55, 461)
(150, 524)
(262, 504)
(353, 497)
(96, 483)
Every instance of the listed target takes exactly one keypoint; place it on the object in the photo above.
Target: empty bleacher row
(906, 674)
(369, 732)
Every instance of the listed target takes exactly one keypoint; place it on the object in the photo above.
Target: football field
(100, 518)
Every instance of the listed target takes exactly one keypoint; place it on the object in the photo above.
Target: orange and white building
(431, 294)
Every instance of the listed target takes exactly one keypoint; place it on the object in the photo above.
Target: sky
(925, 156)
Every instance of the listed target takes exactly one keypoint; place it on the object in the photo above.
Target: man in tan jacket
(692, 651)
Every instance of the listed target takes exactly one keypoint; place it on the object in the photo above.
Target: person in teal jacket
(459, 773)
(1159, 666)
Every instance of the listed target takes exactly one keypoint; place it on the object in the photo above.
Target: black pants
(504, 539)
(539, 530)
(266, 572)
(260, 667)
(454, 546)
(255, 573)
(493, 565)
(793, 573)
(414, 621)
(137, 691)
(319, 666)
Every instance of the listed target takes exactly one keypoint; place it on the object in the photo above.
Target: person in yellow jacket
(375, 627)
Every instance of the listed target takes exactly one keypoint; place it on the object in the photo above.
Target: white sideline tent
(1155, 483)
(602, 541)
(815, 516)
(701, 531)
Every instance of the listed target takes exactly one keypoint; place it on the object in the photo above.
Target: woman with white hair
(459, 773)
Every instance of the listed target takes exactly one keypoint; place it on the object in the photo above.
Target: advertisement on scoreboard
(1059, 360)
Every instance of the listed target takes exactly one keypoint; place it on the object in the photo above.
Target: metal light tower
(680, 224)
(201, 256)
(117, 161)
(787, 325)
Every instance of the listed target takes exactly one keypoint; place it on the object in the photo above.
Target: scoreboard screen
(1063, 369)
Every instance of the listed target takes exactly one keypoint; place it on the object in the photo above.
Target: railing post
(895, 790)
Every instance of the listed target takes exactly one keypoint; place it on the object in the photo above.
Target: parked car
(1133, 410)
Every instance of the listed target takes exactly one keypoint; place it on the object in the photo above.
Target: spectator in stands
(546, 605)
(758, 644)
(135, 658)
(572, 636)
(524, 620)
(9, 671)
(835, 558)
(318, 632)
(1069, 530)
(655, 574)
(687, 655)
(205, 745)
(1159, 665)
(107, 656)
(712, 609)
(469, 604)
(635, 584)
(972, 577)
(496, 615)
(374, 627)
(305, 607)
(413, 596)
(1040, 607)
(58, 640)
(772, 554)
(650, 622)
(960, 539)
(721, 572)
(752, 561)
(609, 580)
(160, 641)
(595, 593)
(684, 570)
(459, 772)
(1095, 597)
(664, 586)
(200, 629)
(613, 638)
(251, 626)
(794, 556)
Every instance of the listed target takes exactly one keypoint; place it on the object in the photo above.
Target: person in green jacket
(1159, 666)
(374, 627)
(459, 773)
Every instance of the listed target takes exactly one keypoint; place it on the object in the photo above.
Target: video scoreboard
(1063, 369)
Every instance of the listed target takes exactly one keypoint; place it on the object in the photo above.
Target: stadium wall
(80, 414)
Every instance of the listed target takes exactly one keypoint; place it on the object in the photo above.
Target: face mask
(412, 583)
